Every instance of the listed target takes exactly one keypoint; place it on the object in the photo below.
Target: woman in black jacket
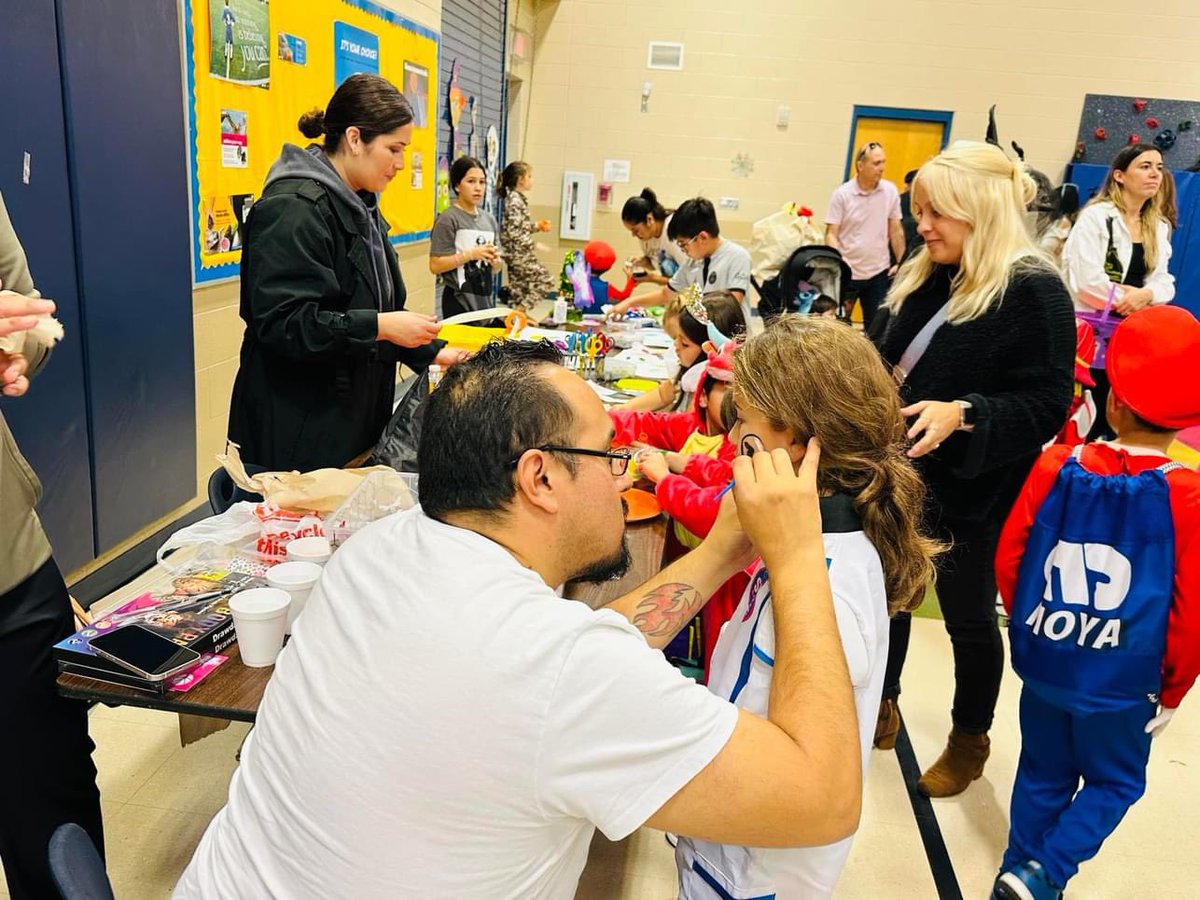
(993, 384)
(322, 295)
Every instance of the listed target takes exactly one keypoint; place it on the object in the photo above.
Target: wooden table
(234, 691)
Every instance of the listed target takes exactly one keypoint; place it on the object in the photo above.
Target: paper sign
(354, 51)
(292, 49)
(235, 143)
(616, 170)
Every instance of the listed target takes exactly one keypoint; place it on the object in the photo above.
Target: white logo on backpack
(1078, 566)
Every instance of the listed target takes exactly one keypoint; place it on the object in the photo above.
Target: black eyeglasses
(618, 460)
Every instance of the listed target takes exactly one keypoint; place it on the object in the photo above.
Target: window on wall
(473, 43)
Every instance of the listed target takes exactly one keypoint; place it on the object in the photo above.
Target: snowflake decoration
(742, 165)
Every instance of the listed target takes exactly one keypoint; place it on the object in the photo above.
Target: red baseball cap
(1152, 363)
(600, 256)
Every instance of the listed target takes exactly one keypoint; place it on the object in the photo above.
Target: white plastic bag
(256, 531)
(379, 495)
(215, 536)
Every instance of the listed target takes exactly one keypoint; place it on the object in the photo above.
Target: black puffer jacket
(315, 387)
(1016, 365)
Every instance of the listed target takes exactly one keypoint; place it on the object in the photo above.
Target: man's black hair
(486, 412)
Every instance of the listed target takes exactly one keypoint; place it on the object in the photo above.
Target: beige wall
(218, 335)
(821, 57)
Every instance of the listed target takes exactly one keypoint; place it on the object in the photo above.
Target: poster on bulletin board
(254, 67)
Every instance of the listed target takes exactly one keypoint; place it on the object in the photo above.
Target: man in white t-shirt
(713, 263)
(443, 725)
(863, 222)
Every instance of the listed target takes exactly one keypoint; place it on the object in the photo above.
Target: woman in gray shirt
(462, 247)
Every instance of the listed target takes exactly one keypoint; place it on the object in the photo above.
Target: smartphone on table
(143, 652)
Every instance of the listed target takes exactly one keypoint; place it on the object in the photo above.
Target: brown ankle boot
(887, 726)
(960, 764)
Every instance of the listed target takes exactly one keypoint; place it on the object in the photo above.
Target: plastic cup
(309, 549)
(297, 578)
(260, 618)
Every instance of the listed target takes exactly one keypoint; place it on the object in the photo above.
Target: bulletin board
(254, 66)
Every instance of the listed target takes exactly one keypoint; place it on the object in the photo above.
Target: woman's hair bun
(312, 124)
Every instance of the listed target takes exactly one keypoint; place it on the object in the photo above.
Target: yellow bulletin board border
(226, 94)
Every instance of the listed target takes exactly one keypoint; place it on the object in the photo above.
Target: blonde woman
(1123, 238)
(981, 334)
(806, 378)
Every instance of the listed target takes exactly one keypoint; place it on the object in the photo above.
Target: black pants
(870, 293)
(45, 751)
(966, 586)
(1100, 428)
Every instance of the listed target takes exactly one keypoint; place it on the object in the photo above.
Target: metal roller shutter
(473, 35)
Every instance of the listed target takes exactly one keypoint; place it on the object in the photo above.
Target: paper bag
(321, 491)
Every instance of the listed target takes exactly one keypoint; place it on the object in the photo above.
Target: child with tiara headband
(688, 320)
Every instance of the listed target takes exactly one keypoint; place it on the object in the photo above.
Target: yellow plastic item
(638, 385)
(468, 337)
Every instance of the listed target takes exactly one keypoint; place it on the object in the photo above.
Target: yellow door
(907, 143)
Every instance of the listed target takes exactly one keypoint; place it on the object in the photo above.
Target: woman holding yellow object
(322, 294)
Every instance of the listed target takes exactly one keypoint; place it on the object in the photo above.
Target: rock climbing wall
(1108, 123)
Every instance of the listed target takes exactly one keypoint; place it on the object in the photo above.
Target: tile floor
(159, 797)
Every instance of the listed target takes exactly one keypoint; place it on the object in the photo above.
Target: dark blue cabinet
(50, 422)
(91, 90)
(127, 145)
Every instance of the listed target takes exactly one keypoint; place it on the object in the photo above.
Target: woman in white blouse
(1121, 246)
(1123, 237)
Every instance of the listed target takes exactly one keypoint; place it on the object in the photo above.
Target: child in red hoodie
(1099, 568)
(692, 502)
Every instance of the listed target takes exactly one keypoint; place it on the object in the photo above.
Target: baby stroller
(811, 270)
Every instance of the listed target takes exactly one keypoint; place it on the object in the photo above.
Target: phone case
(163, 676)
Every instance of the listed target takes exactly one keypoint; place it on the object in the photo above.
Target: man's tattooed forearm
(666, 609)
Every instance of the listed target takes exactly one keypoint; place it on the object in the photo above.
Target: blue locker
(50, 422)
(127, 142)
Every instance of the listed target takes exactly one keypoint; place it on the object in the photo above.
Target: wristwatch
(966, 417)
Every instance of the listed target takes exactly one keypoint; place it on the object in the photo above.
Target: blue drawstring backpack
(1089, 618)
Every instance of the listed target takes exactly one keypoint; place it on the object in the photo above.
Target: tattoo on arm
(663, 611)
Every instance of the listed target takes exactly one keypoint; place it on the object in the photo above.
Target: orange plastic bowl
(642, 505)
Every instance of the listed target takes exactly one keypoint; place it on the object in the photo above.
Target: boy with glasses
(713, 263)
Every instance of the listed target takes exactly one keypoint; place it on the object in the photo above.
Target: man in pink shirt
(862, 221)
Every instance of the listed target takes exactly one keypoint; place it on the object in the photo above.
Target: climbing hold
(1101, 134)
(1165, 139)
(1135, 139)
(1185, 125)
(1152, 123)
(1139, 105)
(1080, 151)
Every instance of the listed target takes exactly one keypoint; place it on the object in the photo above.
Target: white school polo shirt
(741, 670)
(727, 269)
